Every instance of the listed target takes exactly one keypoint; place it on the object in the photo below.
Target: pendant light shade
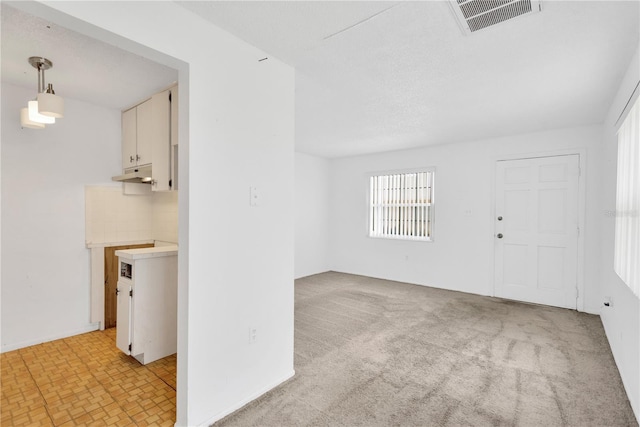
(26, 123)
(34, 116)
(47, 106)
(50, 104)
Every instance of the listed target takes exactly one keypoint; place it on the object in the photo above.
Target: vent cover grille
(474, 15)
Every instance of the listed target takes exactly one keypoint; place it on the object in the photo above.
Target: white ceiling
(378, 76)
(374, 76)
(83, 68)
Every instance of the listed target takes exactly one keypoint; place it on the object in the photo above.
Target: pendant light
(25, 122)
(35, 116)
(50, 104)
(47, 106)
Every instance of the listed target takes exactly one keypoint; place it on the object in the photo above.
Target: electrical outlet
(253, 335)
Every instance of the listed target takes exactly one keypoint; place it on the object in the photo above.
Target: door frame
(582, 190)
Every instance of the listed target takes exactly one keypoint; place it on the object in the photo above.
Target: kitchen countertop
(142, 253)
(92, 245)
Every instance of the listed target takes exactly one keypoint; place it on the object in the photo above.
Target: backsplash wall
(113, 218)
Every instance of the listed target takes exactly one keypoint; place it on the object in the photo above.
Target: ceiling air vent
(474, 15)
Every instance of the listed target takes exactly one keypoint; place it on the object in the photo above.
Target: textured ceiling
(83, 68)
(378, 76)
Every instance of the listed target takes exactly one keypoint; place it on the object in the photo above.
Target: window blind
(627, 234)
(401, 205)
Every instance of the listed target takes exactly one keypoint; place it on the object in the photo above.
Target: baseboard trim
(303, 275)
(251, 398)
(585, 309)
(592, 310)
(89, 328)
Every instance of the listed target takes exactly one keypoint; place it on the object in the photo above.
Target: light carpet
(372, 352)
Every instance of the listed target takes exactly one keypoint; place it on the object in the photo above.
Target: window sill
(406, 238)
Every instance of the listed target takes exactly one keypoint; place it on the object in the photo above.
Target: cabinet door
(123, 331)
(129, 137)
(174, 138)
(174, 115)
(161, 141)
(145, 132)
(111, 277)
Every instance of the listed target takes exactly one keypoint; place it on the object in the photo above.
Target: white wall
(312, 215)
(461, 255)
(622, 319)
(235, 261)
(45, 263)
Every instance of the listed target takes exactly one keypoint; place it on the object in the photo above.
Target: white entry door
(536, 230)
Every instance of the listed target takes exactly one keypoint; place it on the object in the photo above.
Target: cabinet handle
(137, 157)
(499, 236)
(130, 159)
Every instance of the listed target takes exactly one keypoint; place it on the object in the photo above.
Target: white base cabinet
(147, 302)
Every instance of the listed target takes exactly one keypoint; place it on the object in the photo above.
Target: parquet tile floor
(85, 380)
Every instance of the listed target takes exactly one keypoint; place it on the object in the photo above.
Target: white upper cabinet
(161, 140)
(174, 138)
(129, 138)
(174, 115)
(149, 137)
(146, 125)
(137, 138)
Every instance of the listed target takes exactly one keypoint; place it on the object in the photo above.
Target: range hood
(140, 175)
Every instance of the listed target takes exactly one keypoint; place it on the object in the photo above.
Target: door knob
(499, 218)
(499, 236)
(117, 291)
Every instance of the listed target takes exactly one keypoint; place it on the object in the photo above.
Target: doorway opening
(70, 22)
